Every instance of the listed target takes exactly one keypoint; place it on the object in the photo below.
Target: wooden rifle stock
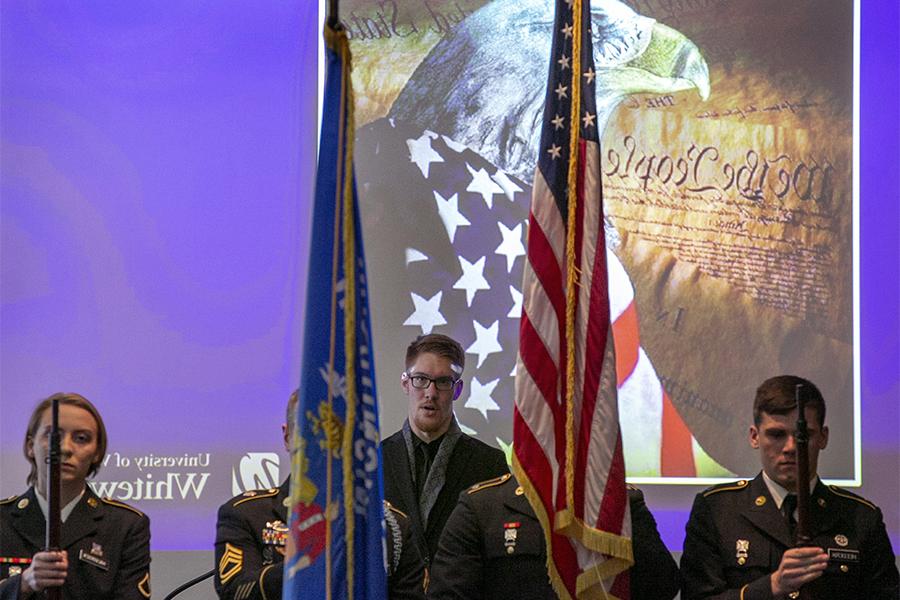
(53, 494)
(801, 442)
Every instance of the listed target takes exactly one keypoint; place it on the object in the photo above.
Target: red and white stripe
(598, 497)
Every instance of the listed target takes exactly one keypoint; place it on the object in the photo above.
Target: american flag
(445, 240)
(567, 442)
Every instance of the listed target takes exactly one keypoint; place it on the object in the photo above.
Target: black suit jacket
(478, 558)
(108, 544)
(736, 536)
(471, 461)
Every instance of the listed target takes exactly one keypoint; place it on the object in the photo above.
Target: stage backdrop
(156, 169)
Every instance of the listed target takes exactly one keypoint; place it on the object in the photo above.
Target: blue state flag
(335, 548)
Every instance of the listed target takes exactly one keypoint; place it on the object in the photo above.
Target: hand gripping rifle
(801, 441)
(53, 495)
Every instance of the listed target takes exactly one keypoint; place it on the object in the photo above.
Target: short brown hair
(777, 396)
(439, 344)
(289, 413)
(70, 399)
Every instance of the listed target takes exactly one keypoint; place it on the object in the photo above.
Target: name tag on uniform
(843, 555)
(92, 559)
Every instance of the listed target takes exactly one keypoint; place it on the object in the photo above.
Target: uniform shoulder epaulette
(726, 487)
(483, 485)
(850, 496)
(393, 508)
(255, 495)
(117, 504)
(9, 500)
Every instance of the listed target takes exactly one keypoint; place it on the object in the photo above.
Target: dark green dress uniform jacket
(250, 559)
(736, 537)
(108, 544)
(249, 549)
(474, 561)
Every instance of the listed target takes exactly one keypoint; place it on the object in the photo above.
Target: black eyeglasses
(422, 382)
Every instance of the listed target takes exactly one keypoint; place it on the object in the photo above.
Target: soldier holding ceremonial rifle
(59, 539)
(744, 539)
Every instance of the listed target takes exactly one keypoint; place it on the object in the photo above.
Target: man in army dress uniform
(740, 541)
(251, 533)
(493, 548)
(104, 544)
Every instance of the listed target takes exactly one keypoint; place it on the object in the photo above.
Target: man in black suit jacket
(430, 460)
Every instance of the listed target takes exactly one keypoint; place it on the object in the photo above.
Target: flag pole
(332, 16)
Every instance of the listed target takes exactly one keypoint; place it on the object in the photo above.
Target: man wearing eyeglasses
(430, 460)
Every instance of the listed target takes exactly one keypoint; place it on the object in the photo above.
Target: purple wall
(156, 169)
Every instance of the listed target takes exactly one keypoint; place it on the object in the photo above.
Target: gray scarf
(438, 473)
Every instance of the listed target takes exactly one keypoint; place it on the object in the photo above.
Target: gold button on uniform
(844, 568)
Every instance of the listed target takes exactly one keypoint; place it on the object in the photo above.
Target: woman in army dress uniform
(105, 545)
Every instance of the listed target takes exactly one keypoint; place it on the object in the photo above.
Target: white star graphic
(421, 152)
(567, 30)
(483, 184)
(511, 246)
(509, 186)
(472, 278)
(558, 122)
(561, 91)
(563, 62)
(554, 151)
(413, 255)
(589, 75)
(448, 209)
(588, 119)
(480, 396)
(516, 311)
(428, 312)
(485, 341)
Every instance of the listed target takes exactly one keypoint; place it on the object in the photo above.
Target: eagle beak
(672, 63)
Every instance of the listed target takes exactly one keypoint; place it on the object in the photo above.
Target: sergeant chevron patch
(231, 563)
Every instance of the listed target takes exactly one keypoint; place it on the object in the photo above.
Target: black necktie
(787, 509)
(423, 465)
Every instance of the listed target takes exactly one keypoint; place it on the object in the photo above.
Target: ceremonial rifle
(801, 442)
(53, 494)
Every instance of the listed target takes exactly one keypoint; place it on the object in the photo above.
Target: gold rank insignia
(742, 547)
(92, 502)
(23, 504)
(760, 500)
(231, 563)
(16, 570)
(520, 490)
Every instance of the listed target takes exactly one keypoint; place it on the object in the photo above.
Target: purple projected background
(154, 201)
(156, 170)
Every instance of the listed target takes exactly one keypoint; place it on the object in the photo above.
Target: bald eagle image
(483, 85)
(445, 188)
